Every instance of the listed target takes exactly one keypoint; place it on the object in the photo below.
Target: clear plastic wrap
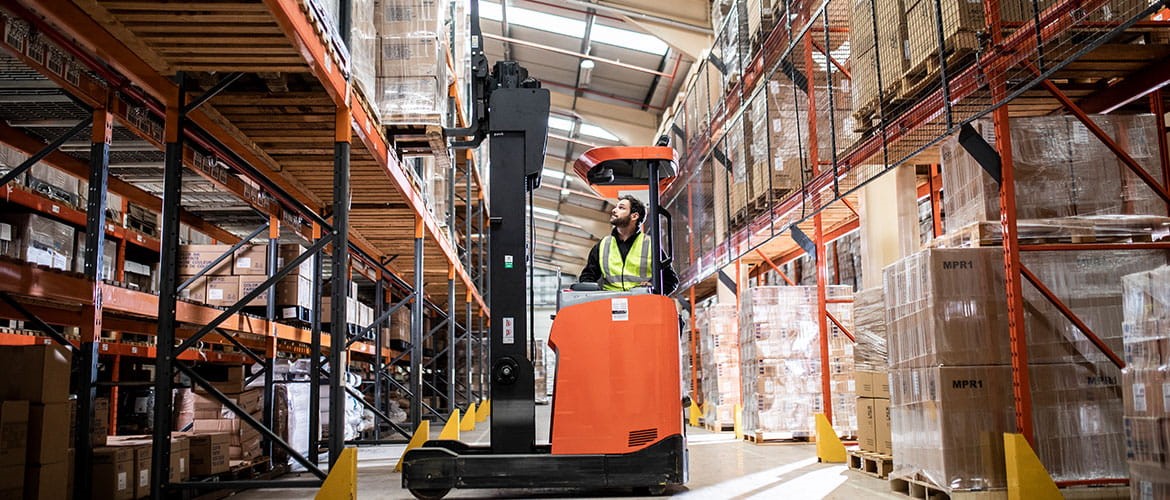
(719, 336)
(1078, 411)
(1146, 381)
(363, 47)
(1061, 170)
(947, 424)
(411, 68)
(869, 327)
(780, 362)
(411, 17)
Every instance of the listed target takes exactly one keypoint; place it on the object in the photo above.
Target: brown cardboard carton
(101, 421)
(180, 459)
(196, 291)
(881, 424)
(209, 453)
(866, 432)
(947, 424)
(1080, 406)
(142, 448)
(1148, 441)
(47, 481)
(46, 443)
(13, 432)
(295, 291)
(113, 473)
(1147, 392)
(193, 258)
(227, 379)
(251, 401)
(11, 481)
(251, 260)
(35, 373)
(248, 283)
(223, 290)
(872, 384)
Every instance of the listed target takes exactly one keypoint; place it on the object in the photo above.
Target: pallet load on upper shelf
(241, 273)
(411, 64)
(718, 327)
(949, 347)
(1069, 185)
(1146, 382)
(36, 239)
(781, 363)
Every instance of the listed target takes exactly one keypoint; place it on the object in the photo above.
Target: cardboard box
(13, 432)
(46, 443)
(251, 260)
(209, 453)
(1147, 392)
(1147, 440)
(881, 425)
(251, 401)
(196, 291)
(409, 17)
(40, 240)
(228, 379)
(410, 57)
(113, 473)
(866, 432)
(35, 373)
(193, 258)
(290, 291)
(223, 290)
(101, 421)
(11, 481)
(48, 481)
(873, 384)
(180, 459)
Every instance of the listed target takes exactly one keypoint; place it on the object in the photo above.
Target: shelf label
(56, 209)
(509, 330)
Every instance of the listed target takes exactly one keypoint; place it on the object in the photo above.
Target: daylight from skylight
(553, 23)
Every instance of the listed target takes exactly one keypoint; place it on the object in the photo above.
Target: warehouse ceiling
(612, 67)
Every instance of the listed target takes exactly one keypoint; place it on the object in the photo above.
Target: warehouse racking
(1076, 57)
(280, 137)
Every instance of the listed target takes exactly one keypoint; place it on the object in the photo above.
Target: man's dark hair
(636, 207)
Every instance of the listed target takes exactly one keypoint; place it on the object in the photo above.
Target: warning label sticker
(509, 330)
(620, 309)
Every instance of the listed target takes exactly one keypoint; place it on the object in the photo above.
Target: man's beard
(619, 221)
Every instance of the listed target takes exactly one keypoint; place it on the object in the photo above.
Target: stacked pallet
(878, 57)
(781, 364)
(1147, 382)
(411, 67)
(719, 334)
(950, 365)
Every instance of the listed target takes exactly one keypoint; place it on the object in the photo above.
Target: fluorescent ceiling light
(558, 123)
(548, 172)
(598, 132)
(553, 23)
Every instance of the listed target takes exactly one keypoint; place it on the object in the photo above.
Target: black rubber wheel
(651, 491)
(429, 493)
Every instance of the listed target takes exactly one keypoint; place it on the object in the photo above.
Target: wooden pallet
(778, 437)
(718, 427)
(1071, 230)
(868, 462)
(918, 487)
(927, 73)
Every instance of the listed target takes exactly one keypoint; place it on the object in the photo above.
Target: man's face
(620, 215)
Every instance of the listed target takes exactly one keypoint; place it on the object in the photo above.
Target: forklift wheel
(429, 493)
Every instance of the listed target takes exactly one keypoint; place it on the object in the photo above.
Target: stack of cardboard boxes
(411, 69)
(1147, 382)
(539, 373)
(213, 417)
(780, 362)
(949, 347)
(35, 442)
(719, 336)
(873, 412)
(241, 273)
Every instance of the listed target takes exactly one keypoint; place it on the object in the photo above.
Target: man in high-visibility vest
(621, 261)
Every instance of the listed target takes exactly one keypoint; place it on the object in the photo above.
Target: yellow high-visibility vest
(619, 274)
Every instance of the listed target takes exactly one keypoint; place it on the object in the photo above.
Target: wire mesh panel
(890, 79)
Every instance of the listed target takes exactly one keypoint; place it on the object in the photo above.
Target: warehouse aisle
(721, 468)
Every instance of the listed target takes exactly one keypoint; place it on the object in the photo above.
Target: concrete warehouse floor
(721, 467)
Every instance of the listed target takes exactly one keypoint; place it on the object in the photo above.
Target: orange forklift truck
(617, 409)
